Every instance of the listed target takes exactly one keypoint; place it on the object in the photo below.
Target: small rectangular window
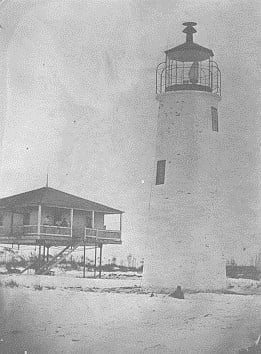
(214, 115)
(88, 221)
(160, 176)
(26, 219)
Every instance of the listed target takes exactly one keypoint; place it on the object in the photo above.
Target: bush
(11, 284)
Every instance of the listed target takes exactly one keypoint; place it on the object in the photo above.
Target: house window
(26, 219)
(57, 216)
(89, 222)
(160, 176)
(214, 115)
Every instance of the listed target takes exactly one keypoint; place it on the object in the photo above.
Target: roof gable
(53, 197)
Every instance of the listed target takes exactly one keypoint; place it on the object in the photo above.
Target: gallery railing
(176, 76)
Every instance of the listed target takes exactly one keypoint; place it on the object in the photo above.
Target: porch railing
(103, 234)
(55, 230)
(27, 230)
(44, 230)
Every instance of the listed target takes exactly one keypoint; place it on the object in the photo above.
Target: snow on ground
(63, 315)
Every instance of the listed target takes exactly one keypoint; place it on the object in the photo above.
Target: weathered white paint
(182, 246)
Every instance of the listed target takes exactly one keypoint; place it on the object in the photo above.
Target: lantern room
(188, 66)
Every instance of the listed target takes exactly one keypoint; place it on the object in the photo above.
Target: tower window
(214, 115)
(160, 176)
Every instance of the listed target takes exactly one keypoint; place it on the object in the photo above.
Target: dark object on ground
(50, 272)
(178, 293)
(151, 295)
(245, 272)
(255, 349)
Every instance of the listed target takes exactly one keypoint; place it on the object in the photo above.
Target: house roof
(53, 197)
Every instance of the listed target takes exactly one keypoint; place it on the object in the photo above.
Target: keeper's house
(50, 217)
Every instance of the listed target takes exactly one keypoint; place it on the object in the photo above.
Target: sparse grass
(11, 284)
(50, 287)
(79, 288)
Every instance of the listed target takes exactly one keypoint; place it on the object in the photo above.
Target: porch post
(93, 219)
(39, 219)
(100, 266)
(47, 256)
(71, 222)
(95, 259)
(95, 249)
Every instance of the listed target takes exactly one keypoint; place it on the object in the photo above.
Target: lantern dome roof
(189, 51)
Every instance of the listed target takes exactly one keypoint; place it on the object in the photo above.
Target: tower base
(198, 273)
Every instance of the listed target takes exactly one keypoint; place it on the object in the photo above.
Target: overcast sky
(81, 102)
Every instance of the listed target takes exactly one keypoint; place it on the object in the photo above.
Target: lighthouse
(183, 246)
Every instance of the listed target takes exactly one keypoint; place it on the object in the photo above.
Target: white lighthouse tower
(183, 246)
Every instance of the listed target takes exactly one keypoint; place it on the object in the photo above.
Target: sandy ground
(89, 318)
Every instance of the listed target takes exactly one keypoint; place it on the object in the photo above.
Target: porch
(28, 234)
(53, 225)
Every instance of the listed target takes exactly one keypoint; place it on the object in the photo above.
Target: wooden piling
(47, 254)
(84, 261)
(100, 266)
(95, 260)
(43, 253)
(39, 257)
